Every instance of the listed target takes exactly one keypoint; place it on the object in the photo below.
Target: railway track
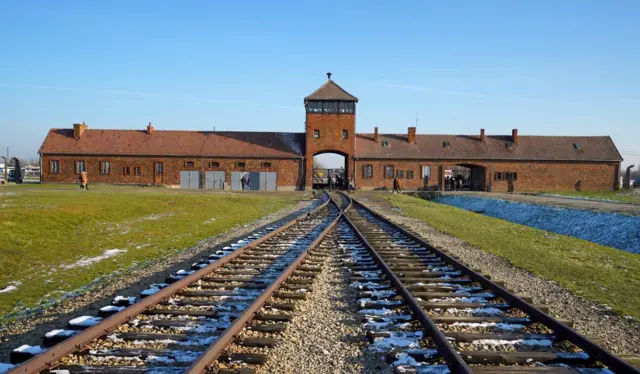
(426, 311)
(437, 316)
(191, 323)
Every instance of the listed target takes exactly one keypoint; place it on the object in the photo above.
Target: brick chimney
(514, 136)
(78, 129)
(375, 134)
(149, 128)
(411, 135)
(482, 135)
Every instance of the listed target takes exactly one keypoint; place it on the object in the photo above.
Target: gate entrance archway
(464, 177)
(328, 164)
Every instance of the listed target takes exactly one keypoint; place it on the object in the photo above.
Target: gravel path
(619, 334)
(31, 329)
(325, 335)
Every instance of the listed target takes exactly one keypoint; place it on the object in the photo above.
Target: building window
(105, 168)
(497, 176)
(330, 107)
(137, 171)
(126, 170)
(266, 164)
(577, 146)
(345, 134)
(80, 167)
(314, 107)
(159, 168)
(54, 167)
(389, 171)
(426, 172)
(400, 174)
(214, 164)
(385, 143)
(446, 145)
(189, 164)
(367, 171)
(316, 134)
(241, 164)
(514, 176)
(409, 174)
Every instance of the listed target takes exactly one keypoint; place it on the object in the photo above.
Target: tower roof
(331, 91)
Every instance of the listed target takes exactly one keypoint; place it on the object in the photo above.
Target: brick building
(284, 161)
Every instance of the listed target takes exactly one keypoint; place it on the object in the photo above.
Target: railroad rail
(468, 323)
(165, 331)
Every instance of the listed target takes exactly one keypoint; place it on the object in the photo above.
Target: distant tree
(317, 164)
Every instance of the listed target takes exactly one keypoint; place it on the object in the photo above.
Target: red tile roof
(331, 91)
(175, 143)
(469, 147)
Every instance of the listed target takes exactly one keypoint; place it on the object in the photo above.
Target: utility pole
(6, 167)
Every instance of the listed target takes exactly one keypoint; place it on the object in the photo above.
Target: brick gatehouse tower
(330, 126)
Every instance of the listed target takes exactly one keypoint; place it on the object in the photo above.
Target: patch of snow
(500, 326)
(8, 289)
(6, 367)
(377, 312)
(160, 359)
(85, 321)
(112, 308)
(88, 261)
(487, 312)
(130, 299)
(66, 333)
(364, 301)
(398, 340)
(531, 342)
(34, 350)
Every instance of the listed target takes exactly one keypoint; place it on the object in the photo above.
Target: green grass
(45, 227)
(624, 196)
(600, 273)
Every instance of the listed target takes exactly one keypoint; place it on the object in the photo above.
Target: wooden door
(158, 172)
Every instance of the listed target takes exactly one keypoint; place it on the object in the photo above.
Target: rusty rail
(453, 359)
(215, 350)
(47, 359)
(592, 349)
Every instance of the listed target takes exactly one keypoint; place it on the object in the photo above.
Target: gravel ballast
(31, 328)
(619, 334)
(325, 335)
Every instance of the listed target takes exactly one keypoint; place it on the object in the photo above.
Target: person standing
(396, 185)
(245, 181)
(84, 181)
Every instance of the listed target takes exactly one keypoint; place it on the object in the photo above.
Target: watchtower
(330, 125)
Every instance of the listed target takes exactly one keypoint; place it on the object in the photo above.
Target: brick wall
(330, 127)
(289, 171)
(531, 176)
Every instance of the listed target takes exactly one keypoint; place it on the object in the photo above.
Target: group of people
(336, 182)
(456, 183)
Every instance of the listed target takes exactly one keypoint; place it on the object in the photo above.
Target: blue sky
(544, 67)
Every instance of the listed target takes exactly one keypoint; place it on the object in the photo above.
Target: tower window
(345, 134)
(316, 134)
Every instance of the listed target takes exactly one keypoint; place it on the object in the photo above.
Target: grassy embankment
(600, 273)
(623, 196)
(44, 229)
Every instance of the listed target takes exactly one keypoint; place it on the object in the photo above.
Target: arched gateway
(330, 126)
